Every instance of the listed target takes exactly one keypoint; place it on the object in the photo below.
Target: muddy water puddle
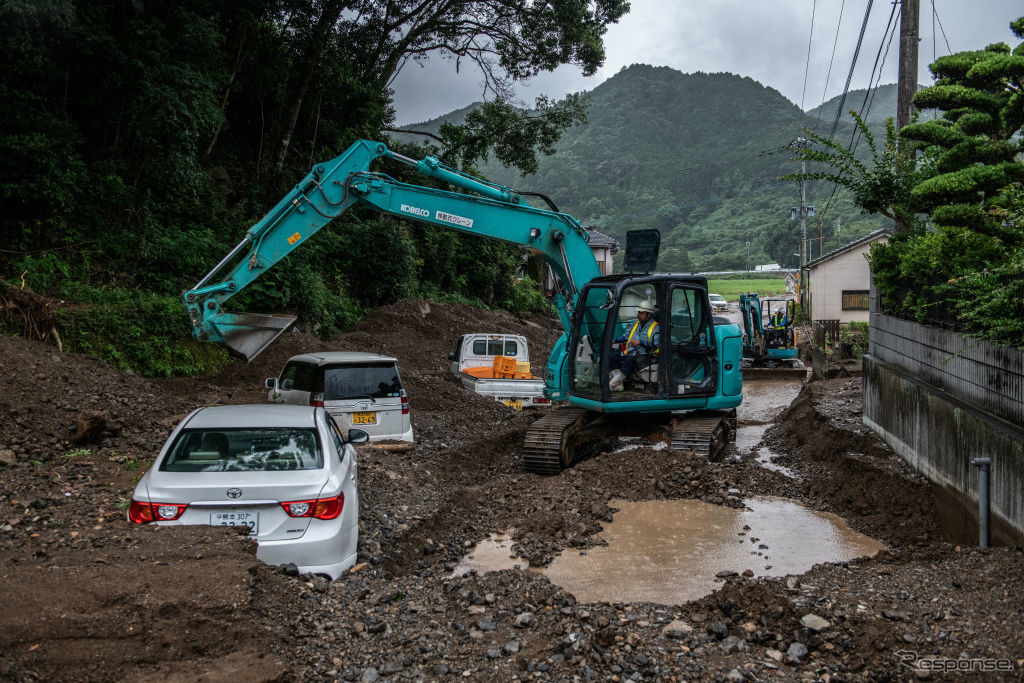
(747, 439)
(492, 554)
(763, 400)
(669, 551)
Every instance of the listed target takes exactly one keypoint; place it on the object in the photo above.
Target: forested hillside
(699, 157)
(879, 104)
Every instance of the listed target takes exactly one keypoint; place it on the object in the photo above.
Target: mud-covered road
(87, 596)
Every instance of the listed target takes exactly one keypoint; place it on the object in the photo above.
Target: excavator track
(550, 441)
(705, 433)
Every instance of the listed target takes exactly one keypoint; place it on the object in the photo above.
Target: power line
(935, 14)
(828, 75)
(807, 66)
(853, 64)
(934, 37)
(842, 100)
(865, 107)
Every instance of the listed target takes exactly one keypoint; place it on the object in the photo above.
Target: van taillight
(405, 403)
(316, 399)
(542, 401)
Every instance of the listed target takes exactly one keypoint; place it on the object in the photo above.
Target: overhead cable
(831, 59)
(807, 66)
(935, 14)
(876, 72)
(853, 64)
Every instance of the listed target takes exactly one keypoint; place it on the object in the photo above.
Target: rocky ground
(89, 596)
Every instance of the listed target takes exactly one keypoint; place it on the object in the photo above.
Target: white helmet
(645, 307)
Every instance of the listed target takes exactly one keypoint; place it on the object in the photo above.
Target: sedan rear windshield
(371, 380)
(244, 450)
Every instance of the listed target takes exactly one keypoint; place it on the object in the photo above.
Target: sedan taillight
(143, 512)
(320, 508)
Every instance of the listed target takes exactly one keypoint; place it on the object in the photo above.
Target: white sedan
(286, 472)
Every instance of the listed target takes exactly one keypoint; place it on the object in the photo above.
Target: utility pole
(748, 256)
(803, 217)
(910, 11)
(802, 213)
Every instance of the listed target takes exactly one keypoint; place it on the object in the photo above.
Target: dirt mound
(848, 470)
(97, 598)
(79, 433)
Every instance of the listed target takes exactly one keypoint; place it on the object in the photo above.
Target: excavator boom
(330, 189)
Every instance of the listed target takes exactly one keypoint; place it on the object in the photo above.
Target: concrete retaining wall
(987, 376)
(939, 433)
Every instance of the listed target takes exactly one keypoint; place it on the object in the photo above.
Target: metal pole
(803, 227)
(983, 508)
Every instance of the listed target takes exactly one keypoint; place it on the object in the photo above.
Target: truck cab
(479, 350)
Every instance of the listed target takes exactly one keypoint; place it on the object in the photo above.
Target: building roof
(866, 239)
(599, 239)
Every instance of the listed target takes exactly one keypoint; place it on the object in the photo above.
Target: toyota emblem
(234, 493)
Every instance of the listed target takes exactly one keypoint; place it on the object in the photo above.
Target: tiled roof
(870, 237)
(599, 239)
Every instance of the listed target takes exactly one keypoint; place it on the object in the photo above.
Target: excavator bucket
(247, 334)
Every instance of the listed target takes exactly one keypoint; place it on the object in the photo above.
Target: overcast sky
(766, 40)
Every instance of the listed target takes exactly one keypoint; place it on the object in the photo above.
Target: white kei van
(359, 390)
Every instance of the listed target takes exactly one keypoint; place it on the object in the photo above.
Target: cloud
(766, 40)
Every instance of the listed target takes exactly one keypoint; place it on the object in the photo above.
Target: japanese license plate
(364, 418)
(235, 518)
(516, 403)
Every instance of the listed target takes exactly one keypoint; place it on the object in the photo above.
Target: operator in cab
(778, 319)
(634, 350)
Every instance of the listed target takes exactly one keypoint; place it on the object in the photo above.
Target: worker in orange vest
(633, 351)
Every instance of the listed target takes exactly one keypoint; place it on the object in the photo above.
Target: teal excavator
(769, 349)
(685, 393)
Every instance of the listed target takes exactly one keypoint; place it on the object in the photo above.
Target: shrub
(137, 331)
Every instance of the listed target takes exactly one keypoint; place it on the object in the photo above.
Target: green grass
(731, 289)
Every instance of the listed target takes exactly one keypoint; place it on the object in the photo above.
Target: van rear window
(372, 380)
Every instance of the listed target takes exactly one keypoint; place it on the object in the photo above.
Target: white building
(839, 283)
(604, 248)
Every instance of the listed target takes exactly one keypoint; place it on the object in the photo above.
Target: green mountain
(699, 157)
(880, 104)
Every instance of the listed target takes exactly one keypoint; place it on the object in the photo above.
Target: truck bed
(515, 393)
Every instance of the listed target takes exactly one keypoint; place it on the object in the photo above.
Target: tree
(971, 149)
(966, 268)
(507, 41)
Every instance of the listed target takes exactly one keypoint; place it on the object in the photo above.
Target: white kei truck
(498, 365)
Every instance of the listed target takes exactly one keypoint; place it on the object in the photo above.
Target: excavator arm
(332, 188)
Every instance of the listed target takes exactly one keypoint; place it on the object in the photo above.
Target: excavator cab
(682, 361)
(779, 342)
